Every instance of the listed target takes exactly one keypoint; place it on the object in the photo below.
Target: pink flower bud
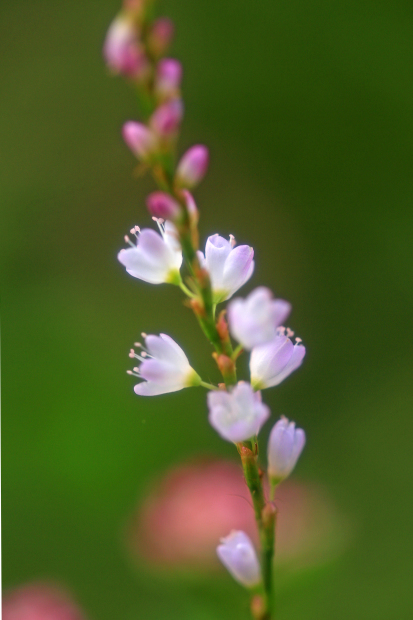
(139, 139)
(162, 205)
(168, 77)
(121, 50)
(39, 601)
(161, 35)
(193, 166)
(167, 118)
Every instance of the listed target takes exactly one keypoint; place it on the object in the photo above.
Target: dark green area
(307, 109)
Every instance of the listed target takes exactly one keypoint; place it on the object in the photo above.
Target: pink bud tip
(193, 166)
(168, 76)
(139, 138)
(161, 35)
(167, 118)
(161, 205)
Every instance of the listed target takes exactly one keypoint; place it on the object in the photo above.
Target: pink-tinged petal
(217, 250)
(160, 371)
(238, 555)
(284, 448)
(167, 118)
(141, 266)
(294, 362)
(163, 347)
(149, 388)
(238, 268)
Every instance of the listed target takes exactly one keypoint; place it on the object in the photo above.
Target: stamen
(232, 241)
(132, 353)
(144, 335)
(127, 240)
(138, 345)
(160, 223)
(298, 340)
(290, 332)
(130, 372)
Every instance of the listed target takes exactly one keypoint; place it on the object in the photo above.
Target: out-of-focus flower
(194, 505)
(156, 258)
(284, 447)
(140, 139)
(229, 267)
(272, 362)
(160, 36)
(192, 166)
(237, 415)
(168, 78)
(121, 49)
(162, 205)
(164, 367)
(166, 119)
(38, 601)
(254, 320)
(238, 555)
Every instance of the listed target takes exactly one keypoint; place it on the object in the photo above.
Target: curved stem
(186, 290)
(209, 386)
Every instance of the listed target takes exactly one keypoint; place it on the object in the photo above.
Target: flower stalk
(134, 46)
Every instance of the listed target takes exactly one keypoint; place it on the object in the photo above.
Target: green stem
(265, 518)
(186, 290)
(209, 386)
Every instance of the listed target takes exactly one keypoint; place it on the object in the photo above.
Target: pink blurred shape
(39, 601)
(194, 505)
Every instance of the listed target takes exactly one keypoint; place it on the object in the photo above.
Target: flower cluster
(134, 47)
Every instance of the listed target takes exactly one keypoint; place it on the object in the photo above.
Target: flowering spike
(237, 415)
(229, 268)
(254, 320)
(192, 166)
(238, 555)
(284, 447)
(272, 362)
(165, 368)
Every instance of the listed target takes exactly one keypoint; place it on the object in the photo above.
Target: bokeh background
(307, 110)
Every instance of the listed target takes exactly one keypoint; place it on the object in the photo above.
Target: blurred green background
(307, 110)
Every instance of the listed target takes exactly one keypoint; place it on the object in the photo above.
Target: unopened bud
(139, 138)
(160, 36)
(284, 447)
(192, 167)
(238, 555)
(121, 50)
(167, 118)
(162, 205)
(168, 78)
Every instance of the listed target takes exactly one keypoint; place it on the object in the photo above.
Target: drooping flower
(238, 555)
(192, 166)
(164, 367)
(140, 139)
(254, 320)
(229, 267)
(121, 49)
(272, 362)
(284, 447)
(237, 415)
(155, 258)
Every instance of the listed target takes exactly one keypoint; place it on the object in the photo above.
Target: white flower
(237, 553)
(272, 362)
(237, 415)
(284, 447)
(229, 267)
(254, 320)
(164, 367)
(155, 258)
